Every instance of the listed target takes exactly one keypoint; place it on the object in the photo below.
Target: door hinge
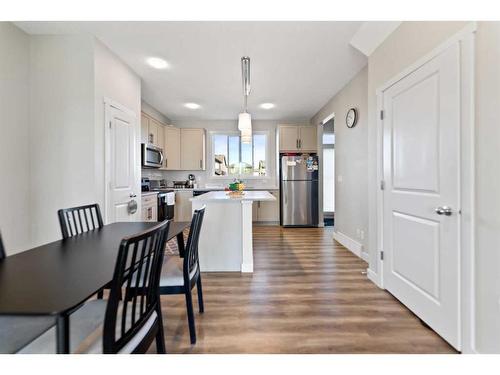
(382, 185)
(381, 115)
(381, 255)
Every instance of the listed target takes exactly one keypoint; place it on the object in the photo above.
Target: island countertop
(222, 196)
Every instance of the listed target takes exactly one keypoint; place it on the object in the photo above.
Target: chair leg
(100, 294)
(201, 307)
(160, 335)
(190, 314)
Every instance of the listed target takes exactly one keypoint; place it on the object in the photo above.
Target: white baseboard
(373, 277)
(354, 246)
(246, 267)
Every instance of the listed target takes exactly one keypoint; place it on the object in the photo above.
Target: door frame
(109, 104)
(466, 273)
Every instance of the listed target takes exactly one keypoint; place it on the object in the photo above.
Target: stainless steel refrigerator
(299, 190)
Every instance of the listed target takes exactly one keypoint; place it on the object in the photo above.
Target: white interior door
(422, 176)
(122, 196)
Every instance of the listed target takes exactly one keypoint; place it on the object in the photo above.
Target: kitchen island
(226, 235)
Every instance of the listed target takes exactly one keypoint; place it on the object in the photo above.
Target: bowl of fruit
(236, 188)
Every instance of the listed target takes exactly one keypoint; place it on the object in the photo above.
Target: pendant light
(244, 118)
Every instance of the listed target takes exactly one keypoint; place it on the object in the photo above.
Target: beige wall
(351, 157)
(52, 105)
(61, 129)
(411, 41)
(14, 130)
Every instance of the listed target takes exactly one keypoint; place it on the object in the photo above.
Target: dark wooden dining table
(56, 278)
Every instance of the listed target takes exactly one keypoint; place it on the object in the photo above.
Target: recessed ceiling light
(267, 105)
(192, 105)
(157, 63)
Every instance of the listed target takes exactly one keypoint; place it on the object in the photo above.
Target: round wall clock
(351, 118)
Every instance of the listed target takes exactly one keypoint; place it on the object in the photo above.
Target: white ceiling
(298, 66)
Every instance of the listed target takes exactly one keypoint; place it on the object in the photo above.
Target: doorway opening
(328, 142)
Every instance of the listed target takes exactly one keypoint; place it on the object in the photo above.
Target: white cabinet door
(156, 133)
(182, 211)
(268, 210)
(150, 213)
(421, 157)
(192, 149)
(144, 129)
(308, 138)
(289, 137)
(172, 149)
(160, 131)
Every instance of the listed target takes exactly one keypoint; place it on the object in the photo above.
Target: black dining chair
(81, 219)
(78, 220)
(180, 275)
(121, 325)
(18, 331)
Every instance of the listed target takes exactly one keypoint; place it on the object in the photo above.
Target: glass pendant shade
(244, 121)
(246, 136)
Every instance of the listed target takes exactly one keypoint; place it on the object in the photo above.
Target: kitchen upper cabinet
(192, 149)
(172, 149)
(308, 140)
(289, 136)
(156, 133)
(152, 131)
(298, 138)
(144, 128)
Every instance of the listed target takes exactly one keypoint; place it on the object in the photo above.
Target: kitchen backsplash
(201, 179)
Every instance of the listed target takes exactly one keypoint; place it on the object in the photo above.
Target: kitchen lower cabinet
(149, 208)
(267, 211)
(182, 211)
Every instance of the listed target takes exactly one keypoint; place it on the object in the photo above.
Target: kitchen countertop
(146, 193)
(221, 189)
(222, 196)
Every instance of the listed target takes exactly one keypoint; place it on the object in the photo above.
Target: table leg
(62, 332)
(180, 244)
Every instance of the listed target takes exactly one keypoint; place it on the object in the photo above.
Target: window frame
(211, 155)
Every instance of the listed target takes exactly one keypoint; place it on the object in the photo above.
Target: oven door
(151, 156)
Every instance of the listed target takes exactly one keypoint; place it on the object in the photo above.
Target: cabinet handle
(166, 163)
(300, 143)
(201, 164)
(296, 143)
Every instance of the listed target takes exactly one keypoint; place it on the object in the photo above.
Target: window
(233, 158)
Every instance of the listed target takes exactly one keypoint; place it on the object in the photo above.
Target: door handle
(132, 195)
(444, 210)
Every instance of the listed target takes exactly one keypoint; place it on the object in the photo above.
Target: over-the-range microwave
(151, 156)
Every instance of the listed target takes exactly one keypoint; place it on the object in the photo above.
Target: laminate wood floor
(307, 295)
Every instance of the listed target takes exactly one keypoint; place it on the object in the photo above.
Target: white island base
(226, 235)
